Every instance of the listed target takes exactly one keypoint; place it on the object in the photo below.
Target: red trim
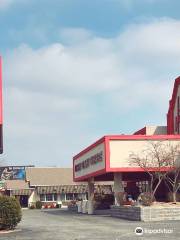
(73, 172)
(1, 112)
(101, 140)
(135, 169)
(141, 131)
(143, 137)
(99, 172)
(107, 153)
(172, 102)
(178, 116)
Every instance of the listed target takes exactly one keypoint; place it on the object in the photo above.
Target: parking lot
(59, 224)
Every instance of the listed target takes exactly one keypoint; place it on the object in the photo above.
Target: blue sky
(21, 20)
(76, 70)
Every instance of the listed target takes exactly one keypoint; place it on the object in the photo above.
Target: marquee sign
(89, 162)
(98, 157)
(112, 154)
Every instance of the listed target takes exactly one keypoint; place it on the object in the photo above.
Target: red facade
(173, 118)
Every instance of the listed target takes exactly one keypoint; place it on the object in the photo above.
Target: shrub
(64, 203)
(38, 205)
(72, 203)
(147, 199)
(10, 212)
(170, 197)
(32, 207)
(103, 201)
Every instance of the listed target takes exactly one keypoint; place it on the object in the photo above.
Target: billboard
(12, 173)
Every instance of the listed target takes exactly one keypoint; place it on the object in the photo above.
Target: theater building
(108, 159)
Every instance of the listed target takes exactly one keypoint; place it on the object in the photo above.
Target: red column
(1, 109)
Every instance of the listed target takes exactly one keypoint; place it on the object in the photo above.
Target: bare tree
(159, 159)
(172, 179)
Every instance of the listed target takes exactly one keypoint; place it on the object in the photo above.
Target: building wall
(156, 130)
(33, 198)
(173, 119)
(152, 130)
(176, 114)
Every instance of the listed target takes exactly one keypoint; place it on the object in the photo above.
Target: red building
(108, 158)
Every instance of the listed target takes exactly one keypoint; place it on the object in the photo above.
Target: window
(55, 196)
(76, 197)
(82, 196)
(49, 197)
(62, 197)
(42, 197)
(143, 186)
(69, 196)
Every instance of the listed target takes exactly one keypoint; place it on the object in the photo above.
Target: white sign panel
(120, 151)
(90, 162)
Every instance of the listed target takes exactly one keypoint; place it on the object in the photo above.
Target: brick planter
(146, 214)
(126, 212)
(73, 208)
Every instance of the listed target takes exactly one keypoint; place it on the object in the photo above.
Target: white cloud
(75, 35)
(59, 97)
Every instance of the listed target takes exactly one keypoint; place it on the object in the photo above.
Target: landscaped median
(156, 212)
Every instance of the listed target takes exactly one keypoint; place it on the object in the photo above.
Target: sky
(76, 70)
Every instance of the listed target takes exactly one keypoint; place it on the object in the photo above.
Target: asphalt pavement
(60, 224)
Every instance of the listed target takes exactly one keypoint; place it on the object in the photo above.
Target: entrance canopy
(111, 154)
